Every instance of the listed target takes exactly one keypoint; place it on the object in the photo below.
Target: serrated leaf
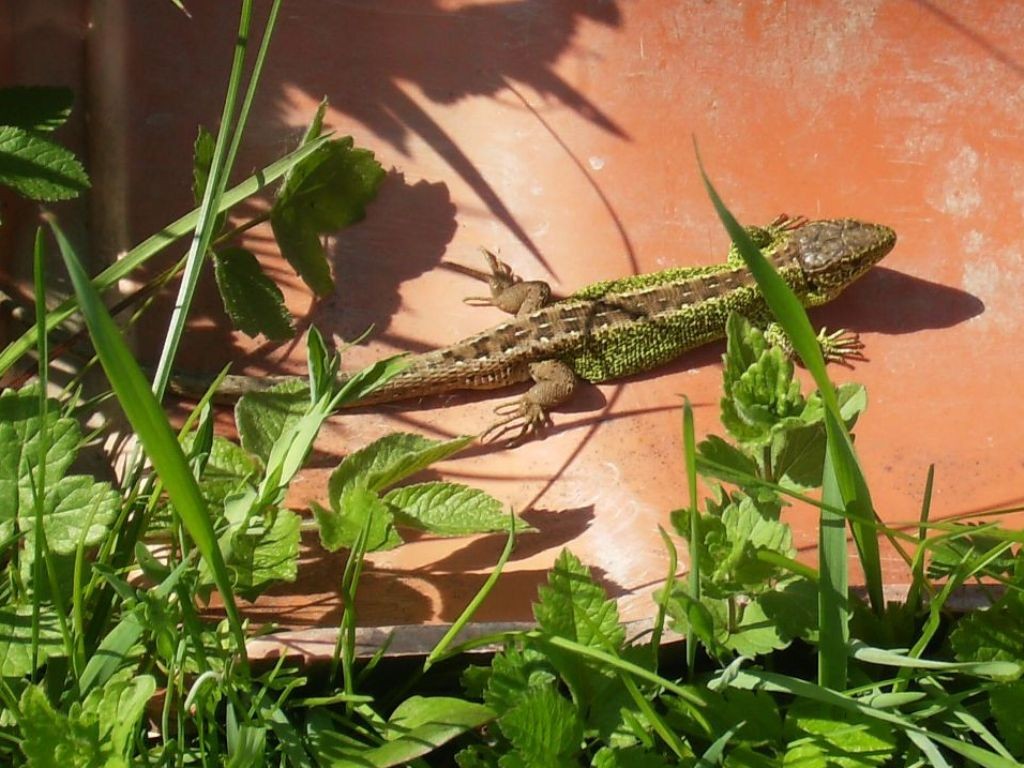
(450, 509)
(798, 456)
(50, 740)
(77, 509)
(227, 468)
(764, 396)
(573, 606)
(389, 460)
(731, 464)
(843, 739)
(262, 417)
(119, 706)
(38, 168)
(513, 672)
(1007, 702)
(35, 107)
(16, 639)
(747, 530)
(20, 428)
(252, 300)
(340, 526)
(754, 634)
(544, 727)
(327, 191)
(262, 557)
(993, 635)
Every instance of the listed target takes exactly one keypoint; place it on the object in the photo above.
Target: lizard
(621, 327)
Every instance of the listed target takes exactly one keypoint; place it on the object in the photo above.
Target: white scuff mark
(960, 194)
(595, 162)
(987, 273)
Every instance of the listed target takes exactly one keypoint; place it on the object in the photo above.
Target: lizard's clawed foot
(521, 419)
(841, 346)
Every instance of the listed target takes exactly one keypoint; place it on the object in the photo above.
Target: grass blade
(151, 426)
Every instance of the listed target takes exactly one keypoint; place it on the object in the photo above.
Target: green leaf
(449, 509)
(572, 605)
(544, 727)
(340, 525)
(762, 398)
(993, 635)
(16, 639)
(717, 458)
(35, 107)
(20, 428)
(843, 739)
(628, 757)
(252, 300)
(327, 191)
(513, 673)
(227, 468)
(389, 460)
(119, 707)
(77, 509)
(1007, 702)
(51, 740)
(261, 556)
(262, 417)
(38, 168)
(202, 161)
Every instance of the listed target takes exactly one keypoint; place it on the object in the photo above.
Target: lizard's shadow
(893, 303)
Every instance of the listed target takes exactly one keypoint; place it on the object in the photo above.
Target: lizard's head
(834, 253)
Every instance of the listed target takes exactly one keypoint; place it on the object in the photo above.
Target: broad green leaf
(35, 107)
(340, 525)
(263, 556)
(629, 757)
(748, 531)
(754, 634)
(449, 509)
(252, 300)
(119, 707)
(572, 605)
(727, 462)
(513, 673)
(16, 639)
(841, 739)
(38, 168)
(705, 714)
(1007, 702)
(227, 468)
(77, 510)
(262, 417)
(389, 460)
(329, 190)
(993, 635)
(20, 427)
(544, 727)
(51, 740)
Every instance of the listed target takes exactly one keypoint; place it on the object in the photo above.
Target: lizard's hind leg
(554, 383)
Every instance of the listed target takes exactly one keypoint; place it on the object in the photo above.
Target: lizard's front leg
(840, 346)
(554, 383)
(509, 292)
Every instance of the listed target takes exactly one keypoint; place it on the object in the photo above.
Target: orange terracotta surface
(561, 135)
